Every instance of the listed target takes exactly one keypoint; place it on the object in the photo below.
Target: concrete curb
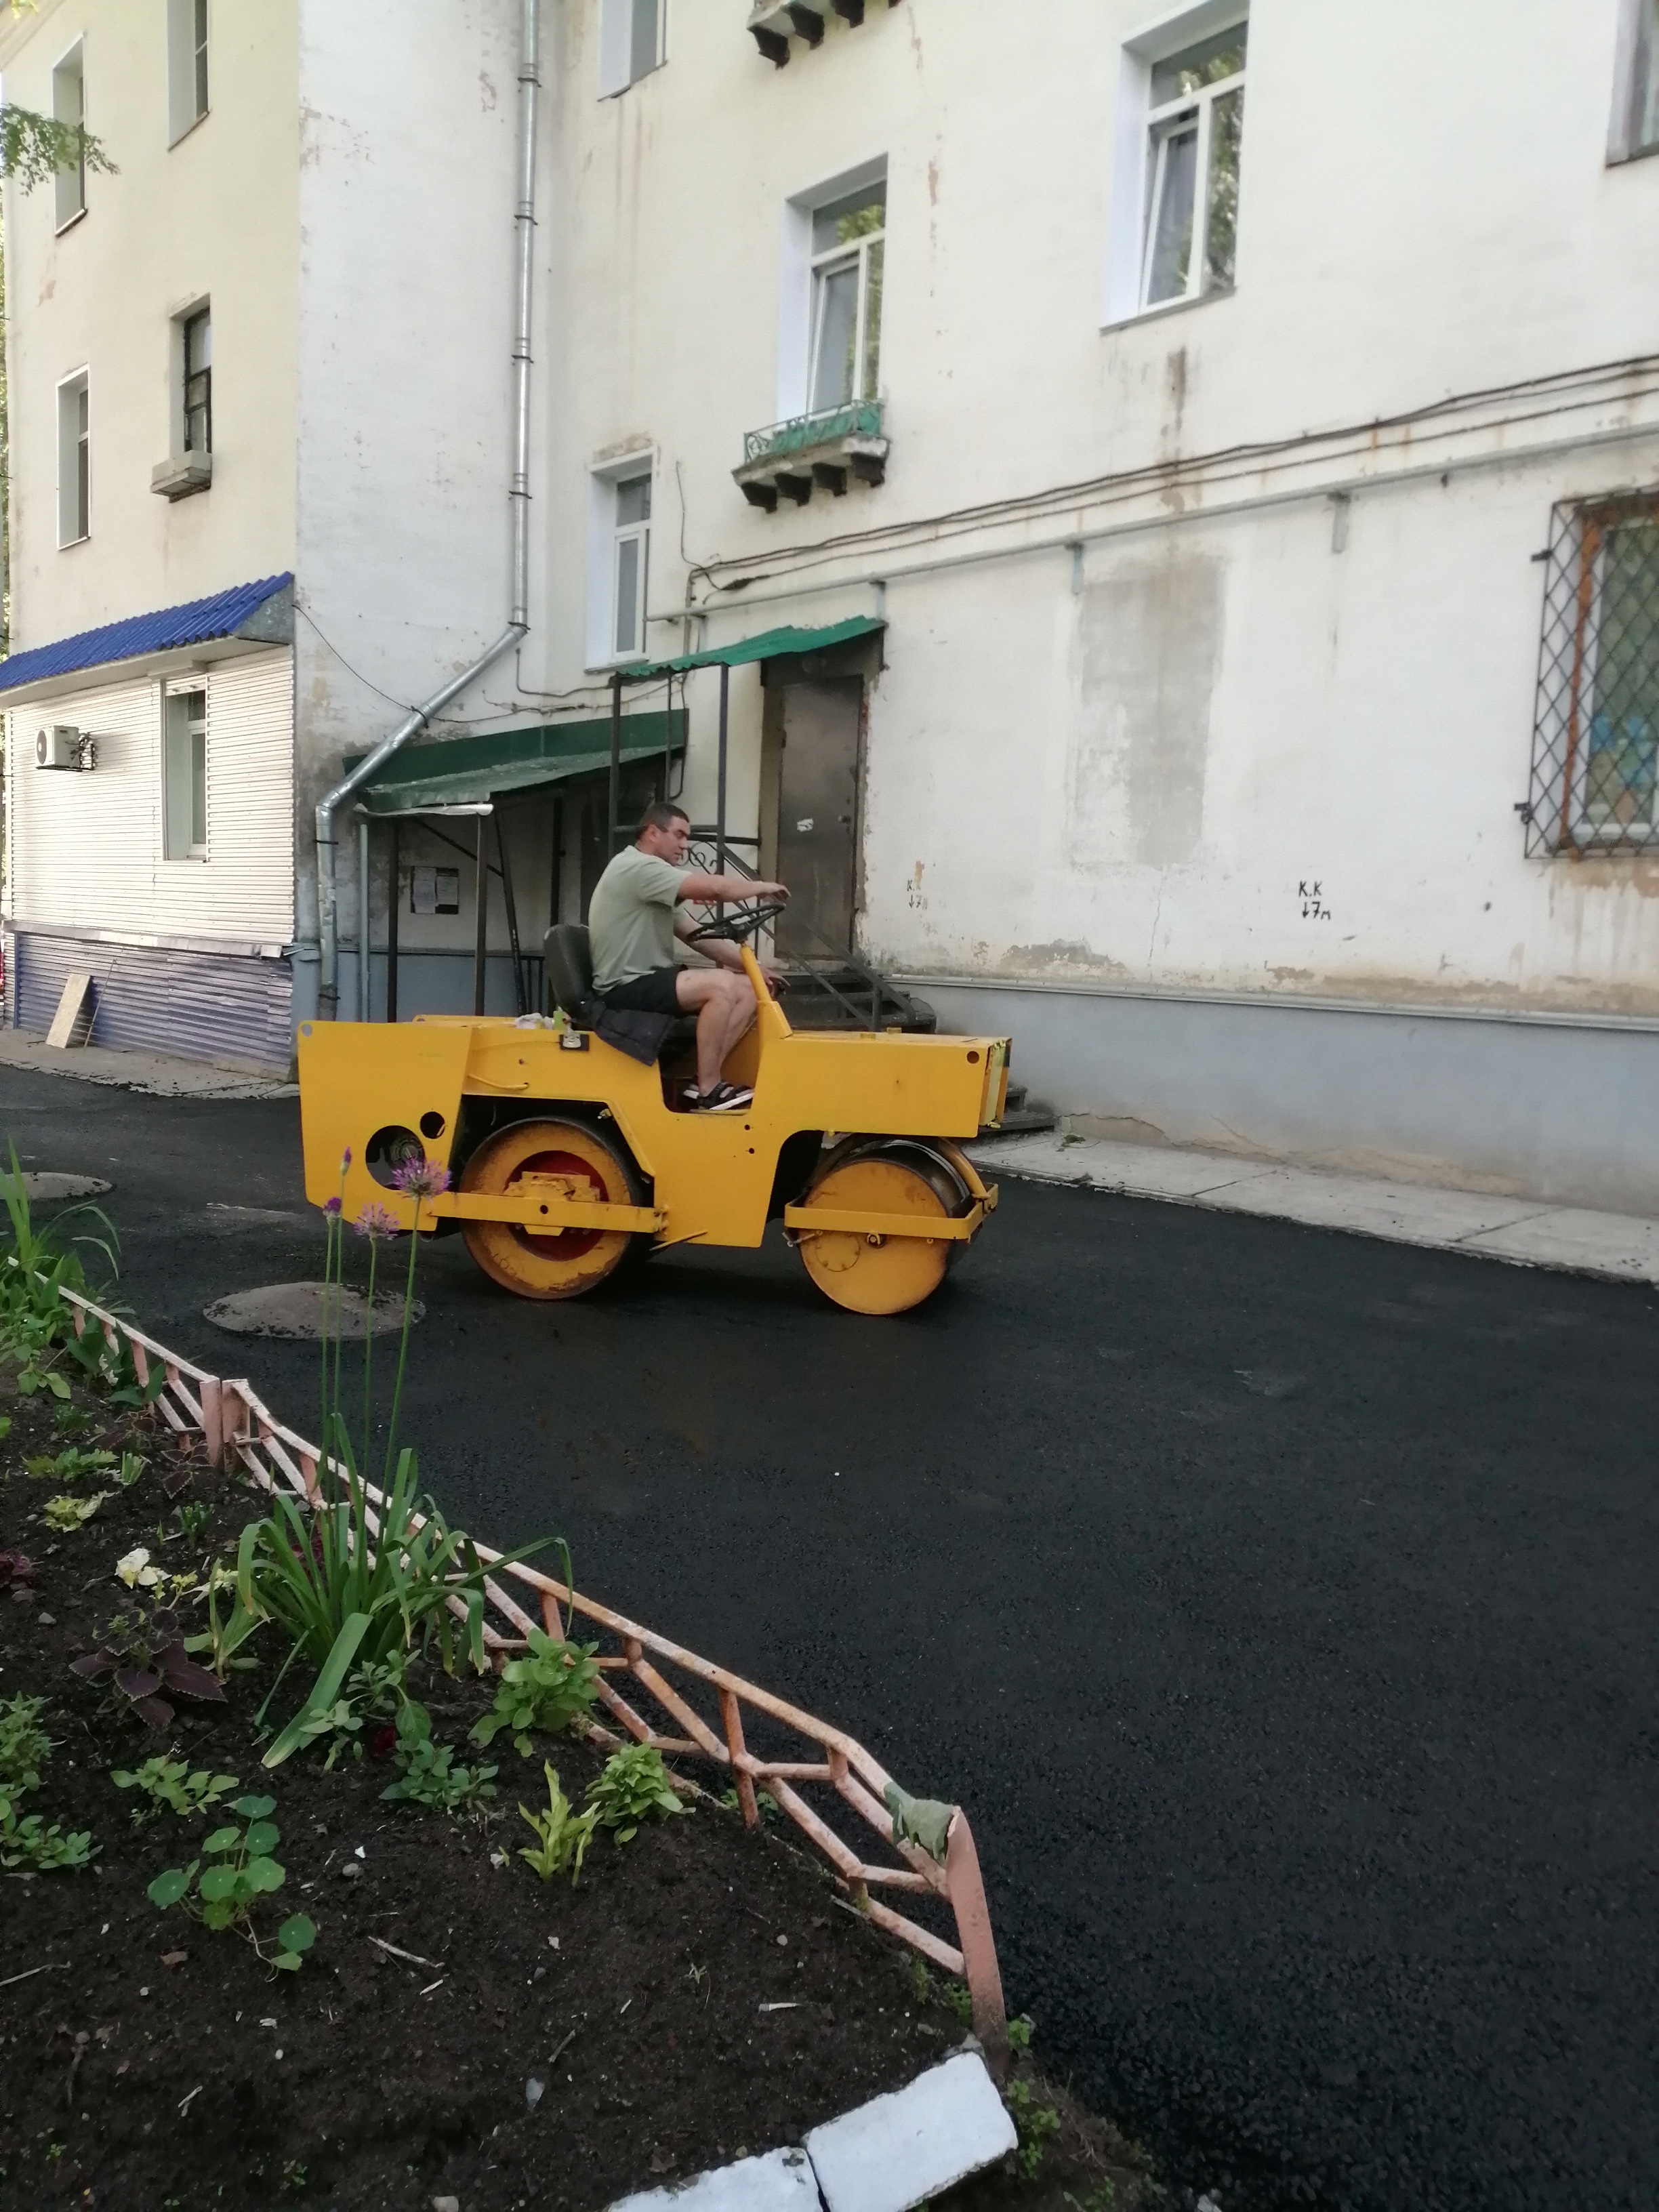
(1527, 1232)
(896, 2152)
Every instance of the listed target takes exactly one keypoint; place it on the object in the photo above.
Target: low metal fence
(637, 1665)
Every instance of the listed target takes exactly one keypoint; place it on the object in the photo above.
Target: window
(184, 775)
(1595, 744)
(187, 66)
(69, 105)
(631, 42)
(74, 461)
(844, 353)
(198, 337)
(631, 562)
(1195, 135)
(1635, 107)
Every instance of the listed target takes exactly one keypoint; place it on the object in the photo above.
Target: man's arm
(706, 891)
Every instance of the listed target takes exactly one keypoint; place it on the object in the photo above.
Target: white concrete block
(781, 2181)
(900, 2149)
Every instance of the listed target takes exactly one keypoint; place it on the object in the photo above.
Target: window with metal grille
(198, 382)
(1596, 743)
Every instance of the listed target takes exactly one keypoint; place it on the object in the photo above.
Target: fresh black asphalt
(1280, 1603)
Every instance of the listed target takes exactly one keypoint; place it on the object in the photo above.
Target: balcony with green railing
(822, 452)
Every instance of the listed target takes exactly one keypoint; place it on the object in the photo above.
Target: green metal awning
(767, 646)
(468, 771)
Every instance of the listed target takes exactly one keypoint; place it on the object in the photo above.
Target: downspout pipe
(519, 493)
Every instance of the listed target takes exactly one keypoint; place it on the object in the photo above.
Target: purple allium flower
(376, 1223)
(420, 1178)
(331, 1207)
(345, 1160)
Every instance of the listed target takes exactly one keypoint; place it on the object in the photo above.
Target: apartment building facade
(1190, 473)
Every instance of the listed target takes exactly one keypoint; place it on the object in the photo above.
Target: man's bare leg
(725, 1006)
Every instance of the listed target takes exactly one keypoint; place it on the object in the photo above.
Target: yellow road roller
(566, 1156)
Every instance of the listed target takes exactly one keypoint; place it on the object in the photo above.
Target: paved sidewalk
(155, 1074)
(1526, 1231)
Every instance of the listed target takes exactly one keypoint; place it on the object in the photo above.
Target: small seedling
(239, 1869)
(1035, 2123)
(16, 1568)
(25, 1839)
(768, 1804)
(168, 1785)
(132, 1466)
(68, 1465)
(24, 1744)
(1100, 2198)
(71, 1420)
(428, 1775)
(563, 1836)
(1020, 2032)
(954, 1994)
(193, 1516)
(632, 1787)
(557, 1684)
(66, 1514)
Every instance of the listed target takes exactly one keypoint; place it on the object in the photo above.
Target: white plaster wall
(407, 192)
(1131, 781)
(87, 849)
(215, 217)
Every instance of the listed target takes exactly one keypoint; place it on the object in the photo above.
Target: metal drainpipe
(519, 620)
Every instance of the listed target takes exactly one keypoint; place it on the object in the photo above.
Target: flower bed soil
(131, 2076)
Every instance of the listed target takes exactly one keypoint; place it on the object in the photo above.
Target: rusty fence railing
(237, 1429)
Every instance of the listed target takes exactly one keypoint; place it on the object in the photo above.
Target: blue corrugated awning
(770, 645)
(226, 614)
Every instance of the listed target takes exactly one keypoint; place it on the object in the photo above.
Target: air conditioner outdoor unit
(59, 747)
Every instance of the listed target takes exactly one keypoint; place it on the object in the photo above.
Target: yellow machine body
(546, 1215)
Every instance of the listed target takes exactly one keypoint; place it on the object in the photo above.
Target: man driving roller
(633, 921)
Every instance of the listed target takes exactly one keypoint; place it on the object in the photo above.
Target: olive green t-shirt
(630, 919)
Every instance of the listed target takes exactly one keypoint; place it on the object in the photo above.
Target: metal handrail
(877, 982)
(238, 1428)
(858, 418)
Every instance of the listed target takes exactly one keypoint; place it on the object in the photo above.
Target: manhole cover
(300, 1309)
(46, 1183)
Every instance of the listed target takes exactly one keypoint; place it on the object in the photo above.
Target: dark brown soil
(635, 1998)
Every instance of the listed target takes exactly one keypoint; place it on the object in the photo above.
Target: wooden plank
(74, 1014)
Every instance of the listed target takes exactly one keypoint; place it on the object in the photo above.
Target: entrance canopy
(470, 771)
(767, 646)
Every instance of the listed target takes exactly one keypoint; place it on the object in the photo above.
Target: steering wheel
(734, 928)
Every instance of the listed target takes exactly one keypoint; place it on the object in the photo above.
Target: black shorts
(655, 993)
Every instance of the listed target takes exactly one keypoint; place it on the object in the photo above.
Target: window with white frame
(1195, 139)
(187, 66)
(844, 352)
(184, 775)
(1636, 114)
(68, 105)
(632, 42)
(631, 566)
(196, 361)
(73, 460)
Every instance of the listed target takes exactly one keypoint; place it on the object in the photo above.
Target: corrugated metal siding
(86, 850)
(192, 1004)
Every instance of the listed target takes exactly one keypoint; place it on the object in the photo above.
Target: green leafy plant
(239, 1869)
(168, 1785)
(71, 1420)
(25, 1838)
(132, 1466)
(35, 148)
(1020, 2032)
(768, 1805)
(193, 1516)
(224, 1637)
(428, 1775)
(554, 1685)
(562, 1836)
(66, 1513)
(68, 1464)
(143, 1655)
(1036, 2122)
(632, 1787)
(37, 1265)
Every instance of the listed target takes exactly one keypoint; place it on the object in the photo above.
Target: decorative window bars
(1596, 741)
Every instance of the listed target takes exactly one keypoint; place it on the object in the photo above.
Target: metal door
(817, 814)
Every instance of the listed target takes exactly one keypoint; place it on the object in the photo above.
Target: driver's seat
(568, 958)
